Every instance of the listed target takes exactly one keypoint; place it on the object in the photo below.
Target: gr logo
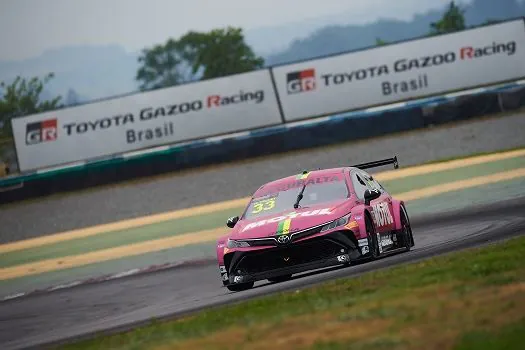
(301, 81)
(43, 131)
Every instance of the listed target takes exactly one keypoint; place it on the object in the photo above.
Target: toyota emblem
(283, 239)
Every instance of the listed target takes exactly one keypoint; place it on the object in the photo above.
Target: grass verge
(447, 302)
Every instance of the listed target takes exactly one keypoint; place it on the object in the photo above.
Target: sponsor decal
(362, 242)
(300, 183)
(301, 81)
(381, 215)
(402, 86)
(133, 136)
(43, 131)
(147, 114)
(469, 52)
(364, 250)
(408, 64)
(305, 80)
(343, 258)
(386, 241)
(226, 250)
(340, 78)
(213, 101)
(98, 124)
(284, 227)
(292, 215)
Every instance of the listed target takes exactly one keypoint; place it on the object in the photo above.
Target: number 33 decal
(263, 205)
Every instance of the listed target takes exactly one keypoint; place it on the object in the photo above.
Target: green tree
(161, 66)
(218, 53)
(22, 97)
(453, 20)
(380, 42)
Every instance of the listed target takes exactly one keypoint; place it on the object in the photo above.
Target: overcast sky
(29, 27)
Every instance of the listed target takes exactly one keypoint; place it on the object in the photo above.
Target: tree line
(453, 20)
(192, 57)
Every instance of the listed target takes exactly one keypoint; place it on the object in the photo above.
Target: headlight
(336, 223)
(237, 244)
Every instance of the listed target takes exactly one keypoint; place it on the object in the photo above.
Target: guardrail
(298, 135)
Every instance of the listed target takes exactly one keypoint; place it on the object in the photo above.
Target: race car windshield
(314, 194)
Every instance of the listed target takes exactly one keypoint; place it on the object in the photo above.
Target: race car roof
(298, 179)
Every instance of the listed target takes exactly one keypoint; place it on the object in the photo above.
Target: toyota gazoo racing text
(312, 220)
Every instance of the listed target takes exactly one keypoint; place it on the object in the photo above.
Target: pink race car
(313, 220)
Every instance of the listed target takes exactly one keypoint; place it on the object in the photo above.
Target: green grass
(507, 338)
(442, 302)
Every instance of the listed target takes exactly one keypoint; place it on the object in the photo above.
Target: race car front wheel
(373, 244)
(406, 239)
(240, 286)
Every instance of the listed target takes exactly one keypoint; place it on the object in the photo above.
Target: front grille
(272, 241)
(293, 254)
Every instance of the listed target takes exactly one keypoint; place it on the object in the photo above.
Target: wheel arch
(359, 213)
(396, 208)
(219, 248)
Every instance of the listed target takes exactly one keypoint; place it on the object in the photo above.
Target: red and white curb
(110, 277)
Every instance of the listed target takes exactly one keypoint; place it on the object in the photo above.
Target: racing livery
(313, 220)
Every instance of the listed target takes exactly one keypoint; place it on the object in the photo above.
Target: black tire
(406, 239)
(240, 286)
(280, 278)
(373, 244)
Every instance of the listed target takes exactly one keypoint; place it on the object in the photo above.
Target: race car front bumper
(335, 248)
(243, 278)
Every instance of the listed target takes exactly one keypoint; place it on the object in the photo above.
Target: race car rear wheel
(280, 278)
(373, 244)
(240, 286)
(406, 239)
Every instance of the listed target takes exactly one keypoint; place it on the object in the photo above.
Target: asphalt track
(236, 180)
(63, 315)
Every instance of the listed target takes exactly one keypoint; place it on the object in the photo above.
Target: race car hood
(290, 220)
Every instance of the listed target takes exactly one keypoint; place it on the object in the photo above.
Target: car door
(382, 210)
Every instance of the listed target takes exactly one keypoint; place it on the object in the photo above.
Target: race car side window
(359, 185)
(367, 180)
(373, 182)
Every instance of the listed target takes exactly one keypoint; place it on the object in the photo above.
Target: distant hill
(91, 71)
(335, 39)
(85, 73)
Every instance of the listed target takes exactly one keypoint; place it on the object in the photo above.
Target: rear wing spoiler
(378, 163)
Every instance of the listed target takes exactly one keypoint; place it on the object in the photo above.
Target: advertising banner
(403, 71)
(165, 116)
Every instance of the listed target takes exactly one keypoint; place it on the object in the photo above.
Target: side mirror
(232, 221)
(371, 195)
